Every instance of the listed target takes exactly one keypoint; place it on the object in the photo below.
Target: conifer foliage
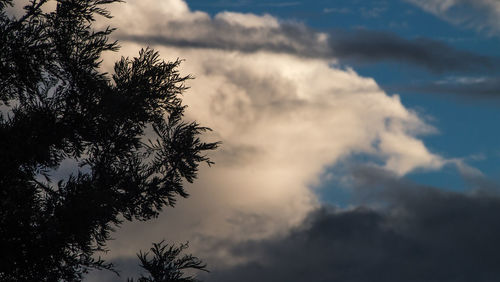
(125, 133)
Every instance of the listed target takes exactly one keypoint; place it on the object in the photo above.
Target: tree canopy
(125, 132)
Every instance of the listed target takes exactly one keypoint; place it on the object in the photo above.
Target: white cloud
(479, 14)
(226, 30)
(435, 6)
(282, 120)
(248, 20)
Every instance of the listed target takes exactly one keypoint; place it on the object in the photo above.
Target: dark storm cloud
(374, 46)
(359, 46)
(420, 234)
(219, 34)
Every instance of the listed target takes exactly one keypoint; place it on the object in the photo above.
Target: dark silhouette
(56, 106)
(167, 266)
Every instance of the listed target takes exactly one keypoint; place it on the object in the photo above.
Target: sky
(359, 138)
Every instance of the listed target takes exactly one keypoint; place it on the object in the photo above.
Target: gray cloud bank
(376, 46)
(399, 231)
(466, 87)
(360, 46)
(218, 34)
(421, 234)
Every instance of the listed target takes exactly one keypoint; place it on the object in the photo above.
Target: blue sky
(466, 122)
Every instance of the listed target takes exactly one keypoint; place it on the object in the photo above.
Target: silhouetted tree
(56, 106)
(165, 265)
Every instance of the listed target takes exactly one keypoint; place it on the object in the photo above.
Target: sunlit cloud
(282, 118)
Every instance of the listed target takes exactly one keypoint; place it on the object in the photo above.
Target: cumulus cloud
(479, 14)
(252, 33)
(421, 234)
(280, 127)
(282, 117)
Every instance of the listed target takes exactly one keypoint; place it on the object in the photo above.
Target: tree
(125, 132)
(166, 266)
